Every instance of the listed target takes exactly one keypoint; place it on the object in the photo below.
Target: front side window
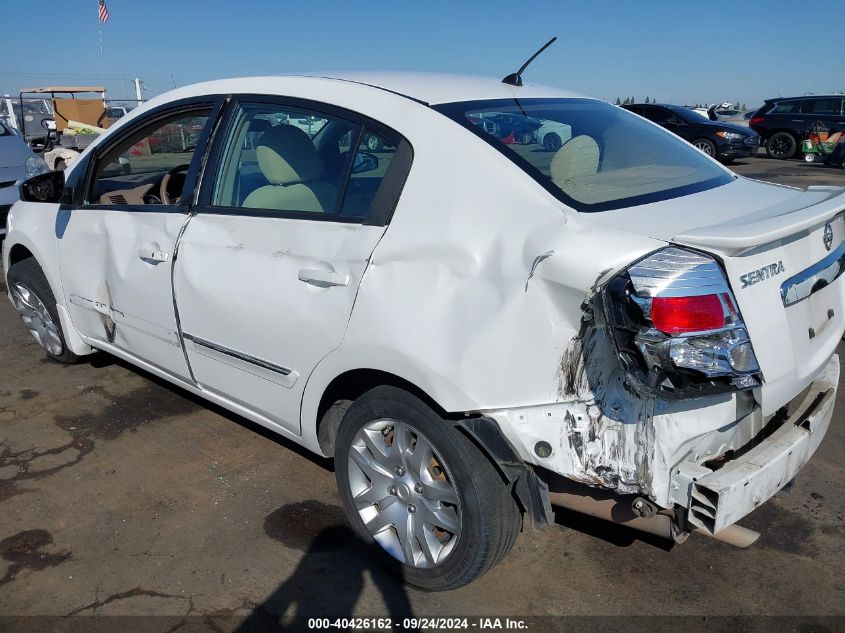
(149, 166)
(607, 159)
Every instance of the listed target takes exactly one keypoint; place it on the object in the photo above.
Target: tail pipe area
(607, 506)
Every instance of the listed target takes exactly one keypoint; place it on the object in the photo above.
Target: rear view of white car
(474, 329)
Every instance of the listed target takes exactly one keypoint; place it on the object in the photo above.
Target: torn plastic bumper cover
(718, 497)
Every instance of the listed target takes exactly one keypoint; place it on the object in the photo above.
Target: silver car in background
(17, 163)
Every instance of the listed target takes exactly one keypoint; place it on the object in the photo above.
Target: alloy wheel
(404, 493)
(37, 319)
(705, 147)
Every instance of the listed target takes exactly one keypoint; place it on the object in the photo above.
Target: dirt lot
(120, 494)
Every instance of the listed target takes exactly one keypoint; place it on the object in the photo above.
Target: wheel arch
(19, 248)
(18, 253)
(346, 387)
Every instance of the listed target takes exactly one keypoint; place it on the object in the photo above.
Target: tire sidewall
(778, 135)
(449, 443)
(713, 151)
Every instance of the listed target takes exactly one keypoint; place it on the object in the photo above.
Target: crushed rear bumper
(716, 498)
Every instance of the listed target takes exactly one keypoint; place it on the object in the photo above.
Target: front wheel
(36, 306)
(413, 483)
(706, 146)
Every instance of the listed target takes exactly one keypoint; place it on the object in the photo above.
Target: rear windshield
(591, 155)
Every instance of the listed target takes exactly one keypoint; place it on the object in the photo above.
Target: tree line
(629, 100)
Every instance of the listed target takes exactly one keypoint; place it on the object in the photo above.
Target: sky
(679, 52)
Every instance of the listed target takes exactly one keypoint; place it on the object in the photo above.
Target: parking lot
(120, 494)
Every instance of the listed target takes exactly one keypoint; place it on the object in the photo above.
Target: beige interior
(576, 160)
(288, 159)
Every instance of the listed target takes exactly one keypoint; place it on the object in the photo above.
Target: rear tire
(389, 433)
(36, 306)
(781, 145)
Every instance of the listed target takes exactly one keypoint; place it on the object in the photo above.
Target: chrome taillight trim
(675, 272)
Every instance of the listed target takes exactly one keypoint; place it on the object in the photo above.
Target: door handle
(153, 255)
(323, 278)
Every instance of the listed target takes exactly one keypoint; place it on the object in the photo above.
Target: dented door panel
(116, 293)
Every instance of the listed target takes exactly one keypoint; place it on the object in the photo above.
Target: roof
(434, 88)
(65, 89)
(822, 96)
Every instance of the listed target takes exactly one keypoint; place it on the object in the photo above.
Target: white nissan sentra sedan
(475, 330)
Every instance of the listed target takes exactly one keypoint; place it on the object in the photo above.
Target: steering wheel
(165, 182)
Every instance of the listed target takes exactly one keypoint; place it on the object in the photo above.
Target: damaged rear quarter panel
(479, 299)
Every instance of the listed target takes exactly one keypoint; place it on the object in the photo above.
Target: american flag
(104, 11)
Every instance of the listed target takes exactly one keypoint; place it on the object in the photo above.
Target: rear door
(116, 245)
(826, 110)
(270, 265)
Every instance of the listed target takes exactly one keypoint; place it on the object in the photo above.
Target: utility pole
(138, 90)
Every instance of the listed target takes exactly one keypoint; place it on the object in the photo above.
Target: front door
(270, 265)
(116, 248)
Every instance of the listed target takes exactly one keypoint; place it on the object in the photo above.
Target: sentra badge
(761, 274)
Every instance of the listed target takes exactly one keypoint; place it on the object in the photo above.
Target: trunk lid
(783, 262)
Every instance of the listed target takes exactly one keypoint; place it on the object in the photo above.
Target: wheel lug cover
(392, 490)
(418, 489)
(400, 471)
(412, 509)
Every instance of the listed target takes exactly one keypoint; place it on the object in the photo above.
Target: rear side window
(290, 161)
(822, 106)
(373, 159)
(785, 107)
(281, 158)
(603, 157)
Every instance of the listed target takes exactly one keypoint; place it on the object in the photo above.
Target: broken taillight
(680, 315)
(677, 328)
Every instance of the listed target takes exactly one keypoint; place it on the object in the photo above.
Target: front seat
(288, 160)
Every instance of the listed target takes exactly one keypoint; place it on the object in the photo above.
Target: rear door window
(280, 158)
(826, 106)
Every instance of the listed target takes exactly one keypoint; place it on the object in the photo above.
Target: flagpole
(100, 32)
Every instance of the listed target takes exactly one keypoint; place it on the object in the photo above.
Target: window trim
(392, 182)
(210, 103)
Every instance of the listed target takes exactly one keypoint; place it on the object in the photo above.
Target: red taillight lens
(756, 120)
(679, 315)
